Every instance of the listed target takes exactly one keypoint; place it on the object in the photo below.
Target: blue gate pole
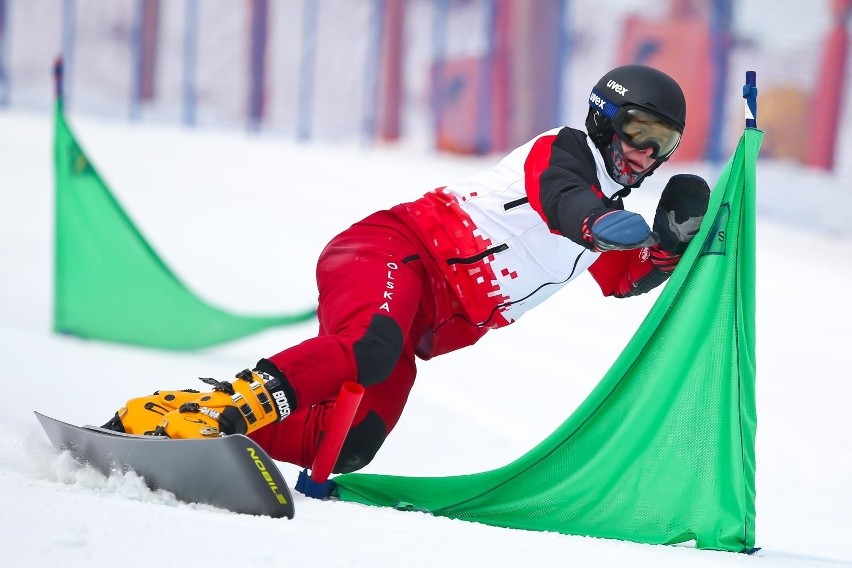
(190, 55)
(750, 96)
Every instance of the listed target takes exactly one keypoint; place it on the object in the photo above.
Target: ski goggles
(642, 129)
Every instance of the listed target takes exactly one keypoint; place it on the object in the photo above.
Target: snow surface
(241, 219)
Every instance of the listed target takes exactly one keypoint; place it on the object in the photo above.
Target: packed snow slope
(241, 220)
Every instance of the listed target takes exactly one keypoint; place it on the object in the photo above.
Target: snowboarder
(434, 275)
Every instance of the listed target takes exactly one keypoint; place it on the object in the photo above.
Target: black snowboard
(231, 472)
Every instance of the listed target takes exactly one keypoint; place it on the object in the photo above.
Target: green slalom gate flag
(662, 450)
(111, 285)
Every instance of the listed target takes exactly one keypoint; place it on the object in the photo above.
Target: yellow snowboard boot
(252, 401)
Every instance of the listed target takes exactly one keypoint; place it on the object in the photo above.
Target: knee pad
(378, 351)
(361, 445)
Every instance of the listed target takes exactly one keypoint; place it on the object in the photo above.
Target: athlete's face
(626, 164)
(638, 160)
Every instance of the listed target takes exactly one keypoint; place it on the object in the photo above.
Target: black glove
(618, 230)
(680, 212)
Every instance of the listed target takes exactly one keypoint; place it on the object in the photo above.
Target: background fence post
(258, 32)
(720, 45)
(390, 81)
(373, 70)
(563, 62)
(440, 20)
(310, 23)
(69, 32)
(5, 73)
(485, 86)
(143, 45)
(190, 55)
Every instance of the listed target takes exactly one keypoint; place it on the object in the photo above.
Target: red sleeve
(623, 273)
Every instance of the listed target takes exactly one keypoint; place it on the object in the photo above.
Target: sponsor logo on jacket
(387, 294)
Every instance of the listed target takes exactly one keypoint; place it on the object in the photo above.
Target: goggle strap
(600, 103)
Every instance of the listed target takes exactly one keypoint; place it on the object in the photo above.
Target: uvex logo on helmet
(617, 87)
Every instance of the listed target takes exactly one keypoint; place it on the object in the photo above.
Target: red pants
(380, 296)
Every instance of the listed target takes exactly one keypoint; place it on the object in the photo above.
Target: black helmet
(641, 106)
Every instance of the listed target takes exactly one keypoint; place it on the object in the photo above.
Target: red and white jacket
(510, 237)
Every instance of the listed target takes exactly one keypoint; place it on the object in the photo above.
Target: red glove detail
(663, 259)
(624, 273)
